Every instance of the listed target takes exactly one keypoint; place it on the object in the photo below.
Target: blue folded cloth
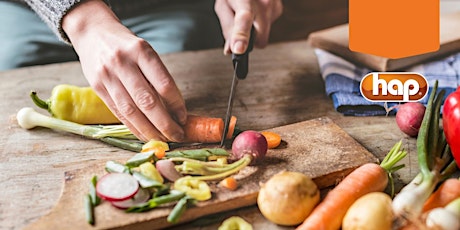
(342, 81)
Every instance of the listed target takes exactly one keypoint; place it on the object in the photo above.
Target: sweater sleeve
(52, 12)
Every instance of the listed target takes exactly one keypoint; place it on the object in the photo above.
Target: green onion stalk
(116, 135)
(434, 159)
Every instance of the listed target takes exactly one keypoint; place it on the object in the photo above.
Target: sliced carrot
(206, 129)
(231, 127)
(159, 147)
(329, 213)
(447, 192)
(273, 139)
(229, 183)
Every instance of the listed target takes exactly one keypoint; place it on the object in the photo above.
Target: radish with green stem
(434, 162)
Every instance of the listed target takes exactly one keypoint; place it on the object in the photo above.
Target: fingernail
(178, 136)
(239, 47)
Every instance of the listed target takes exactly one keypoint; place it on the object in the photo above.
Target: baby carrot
(273, 139)
(448, 191)
(229, 183)
(365, 179)
(206, 129)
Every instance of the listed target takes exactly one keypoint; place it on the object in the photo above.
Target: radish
(141, 196)
(167, 170)
(117, 187)
(409, 117)
(250, 143)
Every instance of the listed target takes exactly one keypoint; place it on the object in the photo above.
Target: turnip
(287, 198)
(371, 211)
(409, 117)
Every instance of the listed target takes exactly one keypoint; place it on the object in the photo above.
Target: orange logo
(394, 87)
(394, 28)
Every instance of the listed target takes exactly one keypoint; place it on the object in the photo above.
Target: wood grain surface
(284, 86)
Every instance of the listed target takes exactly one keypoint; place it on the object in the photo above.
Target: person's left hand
(238, 16)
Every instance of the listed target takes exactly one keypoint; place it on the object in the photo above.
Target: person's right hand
(126, 73)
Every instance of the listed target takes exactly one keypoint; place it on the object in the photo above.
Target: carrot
(229, 183)
(447, 192)
(329, 213)
(159, 147)
(273, 139)
(365, 179)
(206, 129)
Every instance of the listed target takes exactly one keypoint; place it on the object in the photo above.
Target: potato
(370, 212)
(287, 198)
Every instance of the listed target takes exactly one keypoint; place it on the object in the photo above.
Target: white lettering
(394, 87)
(375, 85)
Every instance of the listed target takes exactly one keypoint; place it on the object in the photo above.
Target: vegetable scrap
(235, 222)
(178, 179)
(273, 139)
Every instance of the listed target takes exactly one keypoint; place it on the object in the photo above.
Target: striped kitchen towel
(342, 79)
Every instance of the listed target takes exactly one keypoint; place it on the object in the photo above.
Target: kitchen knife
(240, 71)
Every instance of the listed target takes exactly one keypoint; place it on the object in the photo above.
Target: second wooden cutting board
(318, 148)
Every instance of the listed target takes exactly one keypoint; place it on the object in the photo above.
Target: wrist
(86, 16)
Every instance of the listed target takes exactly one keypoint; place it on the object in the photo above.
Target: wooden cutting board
(318, 148)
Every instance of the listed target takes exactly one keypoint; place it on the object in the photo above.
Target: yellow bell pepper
(195, 188)
(77, 104)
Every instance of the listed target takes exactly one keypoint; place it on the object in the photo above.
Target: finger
(226, 16)
(241, 31)
(267, 12)
(127, 111)
(159, 77)
(107, 96)
(147, 99)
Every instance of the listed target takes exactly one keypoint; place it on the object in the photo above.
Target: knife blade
(240, 71)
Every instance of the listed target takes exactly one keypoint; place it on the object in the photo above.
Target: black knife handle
(243, 59)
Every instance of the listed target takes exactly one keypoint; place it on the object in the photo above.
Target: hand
(238, 16)
(126, 73)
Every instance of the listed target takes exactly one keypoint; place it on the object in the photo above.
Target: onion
(409, 117)
(251, 143)
(287, 198)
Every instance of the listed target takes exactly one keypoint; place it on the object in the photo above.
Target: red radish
(141, 196)
(168, 170)
(117, 187)
(409, 117)
(251, 143)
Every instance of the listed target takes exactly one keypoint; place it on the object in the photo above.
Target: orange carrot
(159, 147)
(329, 213)
(365, 179)
(447, 192)
(273, 139)
(206, 129)
(229, 183)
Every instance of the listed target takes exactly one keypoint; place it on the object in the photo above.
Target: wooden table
(284, 86)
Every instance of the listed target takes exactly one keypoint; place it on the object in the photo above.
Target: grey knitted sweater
(52, 11)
